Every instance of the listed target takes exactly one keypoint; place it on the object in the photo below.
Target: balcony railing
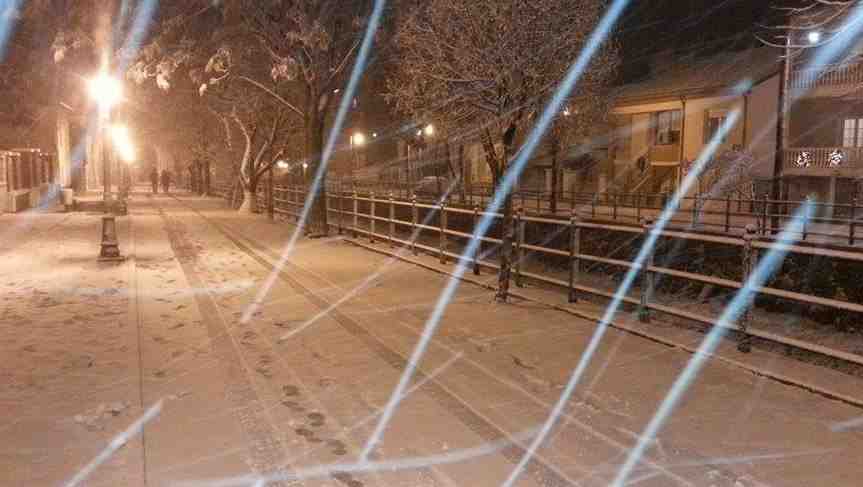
(824, 158)
(829, 75)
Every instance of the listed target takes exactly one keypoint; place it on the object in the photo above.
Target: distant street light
(429, 130)
(282, 164)
(814, 37)
(123, 142)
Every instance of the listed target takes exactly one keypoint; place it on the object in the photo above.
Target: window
(667, 126)
(852, 132)
(713, 123)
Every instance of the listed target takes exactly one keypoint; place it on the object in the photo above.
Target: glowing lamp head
(106, 90)
(358, 139)
(429, 130)
(814, 37)
(305, 166)
(282, 164)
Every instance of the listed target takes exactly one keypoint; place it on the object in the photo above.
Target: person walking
(154, 180)
(166, 181)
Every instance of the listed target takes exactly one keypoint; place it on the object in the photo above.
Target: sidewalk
(744, 419)
(88, 348)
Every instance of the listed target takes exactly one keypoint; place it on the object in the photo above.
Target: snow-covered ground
(296, 384)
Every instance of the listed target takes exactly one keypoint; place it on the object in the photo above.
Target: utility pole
(779, 156)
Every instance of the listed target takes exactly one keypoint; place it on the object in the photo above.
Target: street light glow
(814, 37)
(282, 164)
(358, 139)
(123, 142)
(106, 90)
(305, 166)
(429, 130)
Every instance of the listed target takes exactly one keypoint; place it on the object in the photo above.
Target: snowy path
(239, 399)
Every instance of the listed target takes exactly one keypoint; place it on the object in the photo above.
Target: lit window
(714, 124)
(667, 125)
(852, 132)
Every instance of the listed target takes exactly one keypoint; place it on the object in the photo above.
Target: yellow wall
(760, 122)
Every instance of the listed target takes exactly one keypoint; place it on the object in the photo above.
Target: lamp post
(424, 133)
(358, 140)
(107, 92)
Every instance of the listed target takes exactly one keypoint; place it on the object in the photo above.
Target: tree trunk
(554, 182)
(250, 197)
(461, 169)
(507, 230)
(317, 222)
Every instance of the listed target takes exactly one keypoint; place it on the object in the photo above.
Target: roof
(721, 73)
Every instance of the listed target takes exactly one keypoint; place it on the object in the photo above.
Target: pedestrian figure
(154, 180)
(166, 181)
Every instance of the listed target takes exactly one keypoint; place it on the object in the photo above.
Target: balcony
(827, 77)
(664, 153)
(823, 161)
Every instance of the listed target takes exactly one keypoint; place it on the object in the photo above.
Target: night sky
(700, 27)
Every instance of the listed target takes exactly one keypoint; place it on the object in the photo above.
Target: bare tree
(580, 120)
(481, 66)
(312, 43)
(810, 24)
(297, 52)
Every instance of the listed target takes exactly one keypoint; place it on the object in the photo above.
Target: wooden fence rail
(361, 215)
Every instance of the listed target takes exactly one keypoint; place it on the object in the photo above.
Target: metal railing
(835, 225)
(829, 75)
(379, 218)
(397, 221)
(823, 157)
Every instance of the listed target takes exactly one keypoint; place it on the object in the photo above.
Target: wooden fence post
(476, 269)
(443, 227)
(749, 260)
(271, 204)
(341, 208)
(372, 217)
(356, 213)
(392, 226)
(727, 214)
(574, 251)
(646, 276)
(414, 232)
(519, 245)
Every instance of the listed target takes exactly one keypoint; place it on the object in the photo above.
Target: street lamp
(357, 140)
(814, 37)
(429, 130)
(281, 164)
(107, 92)
(305, 166)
